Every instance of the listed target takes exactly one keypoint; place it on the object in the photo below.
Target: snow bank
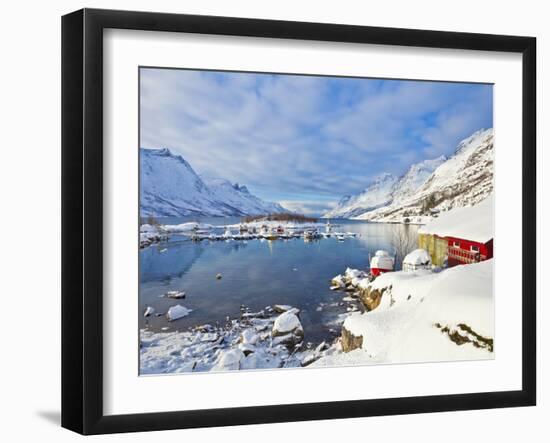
(420, 311)
(469, 223)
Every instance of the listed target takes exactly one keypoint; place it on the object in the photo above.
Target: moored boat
(311, 235)
(381, 262)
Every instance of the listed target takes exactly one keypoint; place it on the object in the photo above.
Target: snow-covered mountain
(464, 179)
(170, 187)
(238, 196)
(377, 194)
(415, 177)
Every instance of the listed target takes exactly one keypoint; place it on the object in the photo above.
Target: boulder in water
(176, 312)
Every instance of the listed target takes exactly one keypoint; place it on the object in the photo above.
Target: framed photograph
(268, 221)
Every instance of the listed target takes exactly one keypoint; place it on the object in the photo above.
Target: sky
(305, 141)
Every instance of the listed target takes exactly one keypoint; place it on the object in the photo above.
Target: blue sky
(305, 141)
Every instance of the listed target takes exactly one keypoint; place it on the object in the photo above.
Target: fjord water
(255, 273)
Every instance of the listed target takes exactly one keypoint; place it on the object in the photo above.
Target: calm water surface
(256, 273)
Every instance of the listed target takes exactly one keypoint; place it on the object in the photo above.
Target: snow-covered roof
(473, 223)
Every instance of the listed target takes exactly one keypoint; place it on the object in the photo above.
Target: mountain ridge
(169, 186)
(463, 179)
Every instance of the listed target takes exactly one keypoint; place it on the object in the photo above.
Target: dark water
(255, 273)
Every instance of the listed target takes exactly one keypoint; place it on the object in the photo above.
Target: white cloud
(294, 134)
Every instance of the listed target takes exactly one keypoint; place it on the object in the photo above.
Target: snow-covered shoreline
(414, 316)
(268, 339)
(419, 316)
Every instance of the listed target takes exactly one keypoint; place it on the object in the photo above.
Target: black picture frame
(82, 218)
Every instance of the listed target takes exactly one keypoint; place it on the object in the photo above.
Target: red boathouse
(468, 232)
(462, 251)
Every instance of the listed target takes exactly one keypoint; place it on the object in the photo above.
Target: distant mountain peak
(461, 179)
(170, 187)
(376, 194)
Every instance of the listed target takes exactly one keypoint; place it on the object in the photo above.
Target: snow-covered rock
(149, 310)
(284, 308)
(170, 187)
(338, 282)
(249, 337)
(176, 312)
(287, 323)
(175, 294)
(229, 360)
(352, 273)
(213, 348)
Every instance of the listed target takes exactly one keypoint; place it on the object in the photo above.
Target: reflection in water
(257, 274)
(168, 260)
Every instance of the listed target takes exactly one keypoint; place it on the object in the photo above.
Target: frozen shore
(270, 338)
